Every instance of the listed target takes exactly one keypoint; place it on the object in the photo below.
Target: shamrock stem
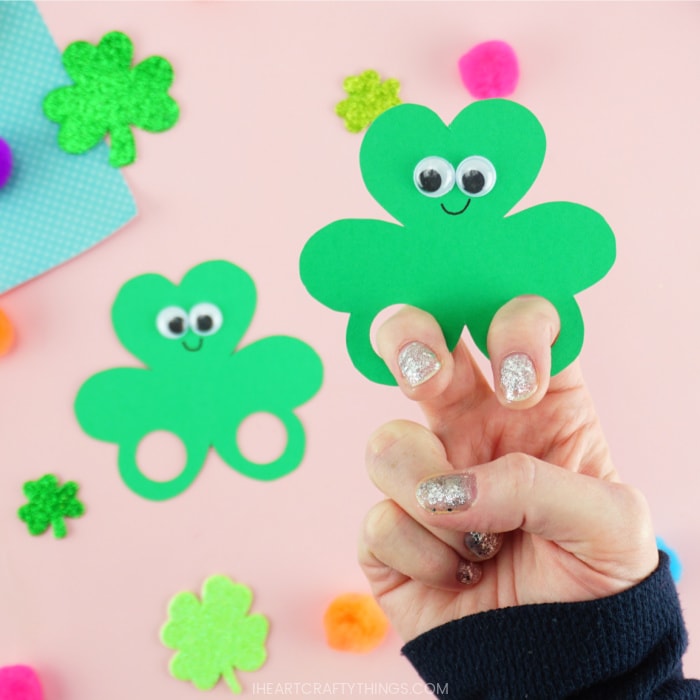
(231, 681)
(59, 527)
(122, 149)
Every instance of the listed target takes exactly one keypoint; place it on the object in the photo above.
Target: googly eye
(476, 176)
(434, 176)
(205, 318)
(171, 322)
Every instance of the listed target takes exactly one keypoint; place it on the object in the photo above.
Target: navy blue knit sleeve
(625, 646)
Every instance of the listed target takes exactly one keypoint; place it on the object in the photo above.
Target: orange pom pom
(354, 622)
(7, 333)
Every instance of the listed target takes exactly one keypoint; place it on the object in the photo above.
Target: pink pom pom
(490, 70)
(19, 683)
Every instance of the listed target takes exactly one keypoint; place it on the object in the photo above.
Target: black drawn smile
(197, 349)
(455, 213)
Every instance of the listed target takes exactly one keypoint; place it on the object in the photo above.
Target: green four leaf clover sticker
(215, 636)
(457, 252)
(109, 97)
(49, 504)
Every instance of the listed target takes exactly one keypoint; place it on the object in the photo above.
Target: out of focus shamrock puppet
(110, 96)
(216, 635)
(458, 252)
(200, 385)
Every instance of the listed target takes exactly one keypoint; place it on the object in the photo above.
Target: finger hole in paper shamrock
(262, 438)
(259, 466)
(159, 488)
(161, 456)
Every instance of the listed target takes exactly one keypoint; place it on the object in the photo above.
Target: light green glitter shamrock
(49, 504)
(109, 97)
(367, 98)
(216, 635)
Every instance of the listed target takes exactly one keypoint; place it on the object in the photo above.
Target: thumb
(592, 518)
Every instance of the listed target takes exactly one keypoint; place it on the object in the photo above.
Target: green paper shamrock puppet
(49, 505)
(109, 97)
(198, 385)
(457, 253)
(215, 636)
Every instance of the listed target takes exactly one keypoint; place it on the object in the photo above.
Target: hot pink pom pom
(19, 683)
(490, 70)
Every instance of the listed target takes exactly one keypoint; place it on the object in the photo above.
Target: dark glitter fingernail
(468, 573)
(483, 545)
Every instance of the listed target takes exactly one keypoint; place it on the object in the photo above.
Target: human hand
(528, 460)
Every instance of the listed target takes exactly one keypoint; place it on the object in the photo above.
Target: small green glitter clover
(49, 504)
(109, 97)
(215, 636)
(367, 98)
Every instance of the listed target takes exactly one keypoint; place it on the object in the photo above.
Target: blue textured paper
(55, 205)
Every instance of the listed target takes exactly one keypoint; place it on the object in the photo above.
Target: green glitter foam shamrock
(109, 97)
(49, 504)
(215, 636)
(459, 253)
(367, 98)
(198, 385)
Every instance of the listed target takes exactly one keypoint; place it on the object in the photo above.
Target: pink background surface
(258, 163)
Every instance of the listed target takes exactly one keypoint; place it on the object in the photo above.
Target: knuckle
(633, 500)
(433, 561)
(525, 312)
(523, 475)
(543, 310)
(381, 445)
(522, 469)
(381, 519)
(633, 512)
(397, 442)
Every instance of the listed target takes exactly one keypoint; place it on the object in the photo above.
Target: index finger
(413, 346)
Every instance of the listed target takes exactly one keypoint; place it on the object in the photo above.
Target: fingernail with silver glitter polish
(518, 377)
(483, 545)
(468, 573)
(417, 363)
(447, 492)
